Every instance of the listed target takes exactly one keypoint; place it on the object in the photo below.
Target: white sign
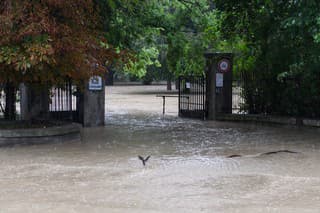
(95, 83)
(188, 85)
(219, 79)
(224, 65)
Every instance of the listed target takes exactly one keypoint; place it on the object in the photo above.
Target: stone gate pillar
(93, 102)
(219, 83)
(34, 101)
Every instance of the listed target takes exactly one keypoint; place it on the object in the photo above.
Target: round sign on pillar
(224, 65)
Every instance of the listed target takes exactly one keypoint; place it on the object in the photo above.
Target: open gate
(192, 97)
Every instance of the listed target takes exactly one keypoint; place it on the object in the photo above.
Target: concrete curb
(311, 122)
(61, 133)
(268, 119)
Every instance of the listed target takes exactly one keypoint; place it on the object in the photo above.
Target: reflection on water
(188, 170)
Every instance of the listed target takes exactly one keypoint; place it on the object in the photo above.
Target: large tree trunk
(10, 108)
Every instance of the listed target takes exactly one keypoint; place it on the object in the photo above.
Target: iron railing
(63, 104)
(238, 101)
(192, 97)
(2, 102)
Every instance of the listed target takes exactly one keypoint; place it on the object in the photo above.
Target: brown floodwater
(188, 170)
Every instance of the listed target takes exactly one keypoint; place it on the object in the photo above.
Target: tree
(174, 29)
(282, 39)
(276, 45)
(45, 42)
(126, 28)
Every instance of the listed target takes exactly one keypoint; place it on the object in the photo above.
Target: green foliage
(184, 31)
(33, 52)
(277, 53)
(175, 28)
(146, 57)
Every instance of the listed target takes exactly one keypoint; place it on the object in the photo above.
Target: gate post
(219, 83)
(93, 102)
(34, 101)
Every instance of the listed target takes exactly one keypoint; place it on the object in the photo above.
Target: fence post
(10, 97)
(34, 101)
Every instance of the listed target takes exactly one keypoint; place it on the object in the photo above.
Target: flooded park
(189, 169)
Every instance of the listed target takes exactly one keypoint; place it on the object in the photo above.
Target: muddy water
(188, 170)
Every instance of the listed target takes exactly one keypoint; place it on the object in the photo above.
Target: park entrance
(210, 94)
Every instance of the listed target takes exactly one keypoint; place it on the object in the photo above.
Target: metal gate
(64, 104)
(192, 97)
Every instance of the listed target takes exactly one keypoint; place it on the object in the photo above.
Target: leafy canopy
(50, 40)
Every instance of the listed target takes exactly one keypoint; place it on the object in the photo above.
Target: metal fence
(2, 102)
(192, 97)
(63, 102)
(238, 101)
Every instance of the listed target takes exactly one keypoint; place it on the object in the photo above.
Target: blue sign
(95, 83)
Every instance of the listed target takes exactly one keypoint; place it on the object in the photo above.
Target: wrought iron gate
(64, 104)
(192, 97)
